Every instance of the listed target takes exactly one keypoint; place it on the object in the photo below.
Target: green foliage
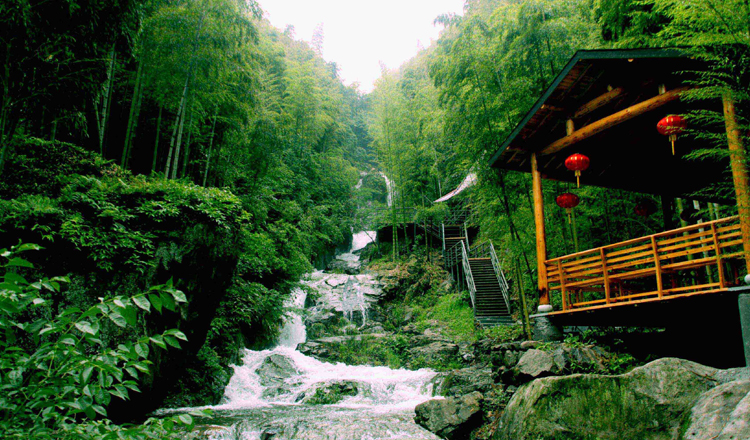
(504, 333)
(57, 375)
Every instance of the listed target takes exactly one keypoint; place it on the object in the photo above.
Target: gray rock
(722, 413)
(510, 358)
(276, 369)
(274, 373)
(588, 359)
(463, 381)
(314, 349)
(532, 365)
(452, 418)
(344, 267)
(648, 403)
(434, 352)
(327, 393)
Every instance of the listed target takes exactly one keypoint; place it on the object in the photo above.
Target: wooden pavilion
(606, 104)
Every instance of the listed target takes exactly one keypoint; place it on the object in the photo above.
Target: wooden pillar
(738, 159)
(541, 236)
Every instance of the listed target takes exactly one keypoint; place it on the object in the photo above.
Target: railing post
(605, 276)
(657, 268)
(717, 248)
(442, 234)
(563, 289)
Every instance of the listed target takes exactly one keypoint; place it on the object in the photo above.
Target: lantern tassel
(578, 178)
(570, 217)
(673, 138)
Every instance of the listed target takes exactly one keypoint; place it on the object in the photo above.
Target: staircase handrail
(504, 288)
(469, 276)
(480, 250)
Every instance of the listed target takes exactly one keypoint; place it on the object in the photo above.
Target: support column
(738, 159)
(541, 237)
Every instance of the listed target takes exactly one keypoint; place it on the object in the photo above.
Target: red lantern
(645, 207)
(577, 162)
(568, 201)
(671, 126)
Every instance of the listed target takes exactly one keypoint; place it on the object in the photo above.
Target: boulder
(532, 365)
(275, 369)
(434, 352)
(274, 373)
(328, 393)
(314, 349)
(580, 359)
(452, 418)
(648, 403)
(463, 381)
(344, 267)
(722, 413)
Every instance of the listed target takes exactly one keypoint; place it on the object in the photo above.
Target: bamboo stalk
(156, 142)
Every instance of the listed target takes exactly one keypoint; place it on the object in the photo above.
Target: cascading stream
(266, 397)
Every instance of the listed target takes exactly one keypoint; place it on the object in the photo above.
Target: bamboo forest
(535, 225)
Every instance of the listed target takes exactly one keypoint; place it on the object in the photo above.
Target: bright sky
(359, 34)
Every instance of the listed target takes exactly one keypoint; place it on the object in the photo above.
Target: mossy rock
(648, 403)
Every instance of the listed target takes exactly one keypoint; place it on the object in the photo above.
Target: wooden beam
(598, 102)
(738, 159)
(612, 120)
(541, 236)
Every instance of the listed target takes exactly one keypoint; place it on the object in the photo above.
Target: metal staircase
(479, 268)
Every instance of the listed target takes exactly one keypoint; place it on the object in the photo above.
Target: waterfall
(266, 394)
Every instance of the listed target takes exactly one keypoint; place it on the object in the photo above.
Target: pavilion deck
(700, 259)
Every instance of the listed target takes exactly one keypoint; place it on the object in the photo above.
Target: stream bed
(272, 394)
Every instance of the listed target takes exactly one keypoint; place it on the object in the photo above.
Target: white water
(385, 401)
(389, 187)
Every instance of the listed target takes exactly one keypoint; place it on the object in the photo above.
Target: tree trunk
(156, 142)
(210, 149)
(179, 143)
(107, 96)
(132, 116)
(187, 146)
(180, 111)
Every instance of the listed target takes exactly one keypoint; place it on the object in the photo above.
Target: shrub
(57, 377)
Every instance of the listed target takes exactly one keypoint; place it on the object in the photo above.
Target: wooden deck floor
(695, 307)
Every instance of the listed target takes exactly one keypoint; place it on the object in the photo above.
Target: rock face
(648, 403)
(463, 381)
(452, 418)
(722, 413)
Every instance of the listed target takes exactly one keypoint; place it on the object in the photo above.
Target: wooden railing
(693, 259)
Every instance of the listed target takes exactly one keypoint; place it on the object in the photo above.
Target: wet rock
(344, 267)
(648, 403)
(452, 418)
(722, 413)
(329, 393)
(314, 349)
(434, 352)
(274, 373)
(323, 316)
(269, 434)
(275, 369)
(463, 381)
